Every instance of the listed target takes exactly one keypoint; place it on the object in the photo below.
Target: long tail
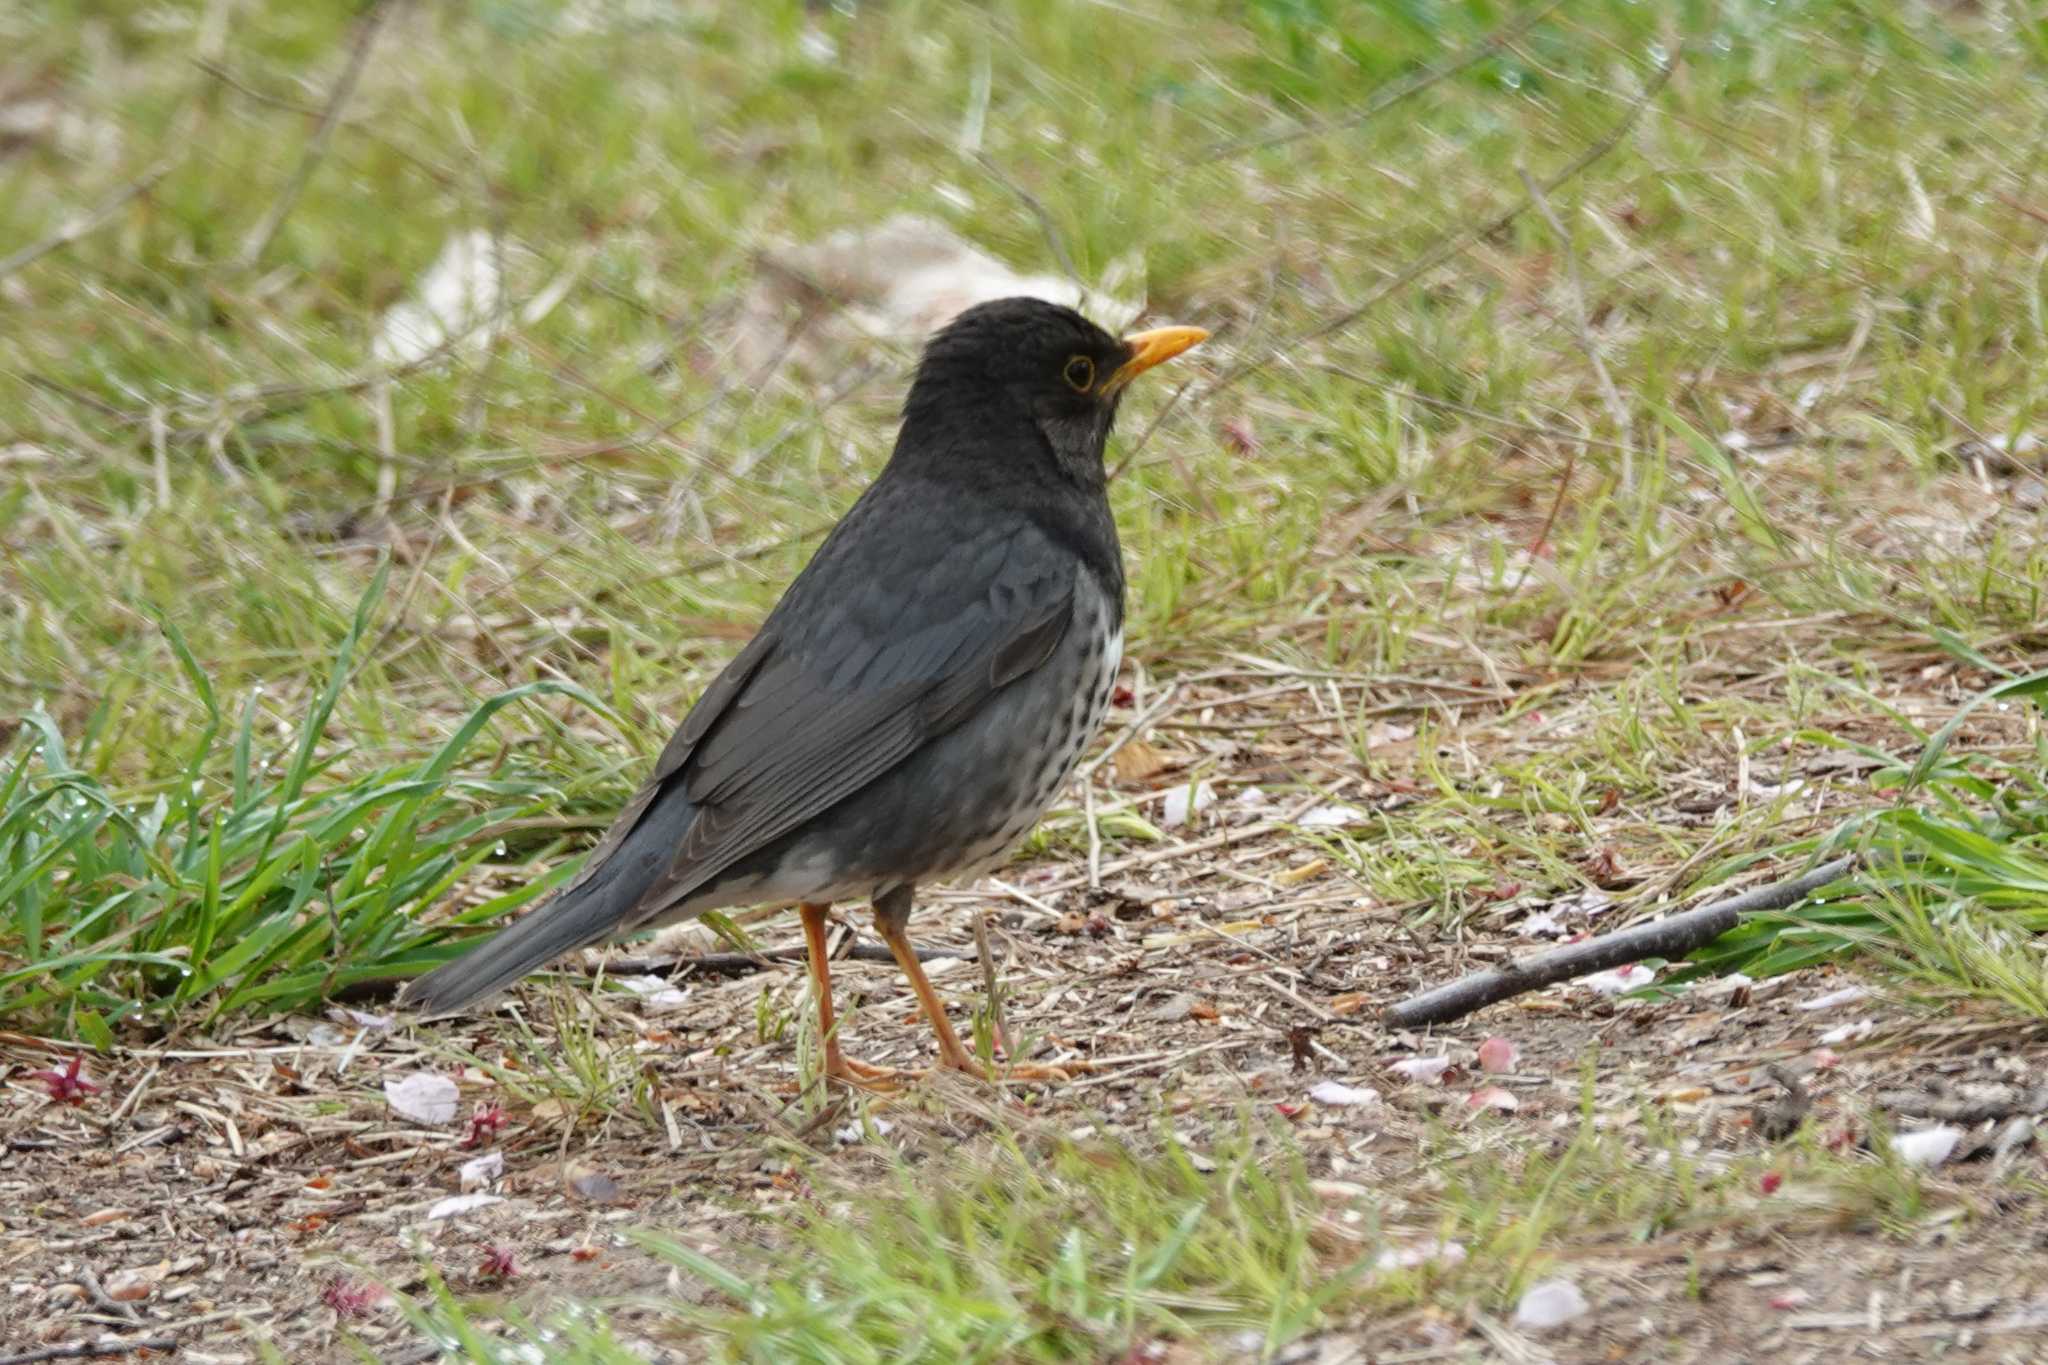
(599, 904)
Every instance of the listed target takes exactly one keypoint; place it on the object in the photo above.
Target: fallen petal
(422, 1097)
(658, 994)
(1927, 1147)
(1427, 1251)
(1493, 1097)
(455, 1205)
(1632, 977)
(1497, 1054)
(1184, 801)
(1337, 1094)
(597, 1187)
(1550, 1304)
(1848, 995)
(1428, 1070)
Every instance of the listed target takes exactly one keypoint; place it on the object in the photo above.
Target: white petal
(1181, 802)
(1632, 977)
(1849, 1032)
(1927, 1146)
(455, 1205)
(480, 1171)
(1331, 817)
(1428, 1070)
(1550, 1304)
(1422, 1253)
(422, 1097)
(655, 992)
(1848, 995)
(1337, 1094)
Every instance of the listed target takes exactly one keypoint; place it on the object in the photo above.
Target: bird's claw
(856, 1075)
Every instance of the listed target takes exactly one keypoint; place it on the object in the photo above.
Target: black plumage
(920, 692)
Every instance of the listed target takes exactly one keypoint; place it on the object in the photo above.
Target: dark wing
(877, 648)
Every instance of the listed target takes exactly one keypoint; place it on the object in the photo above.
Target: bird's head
(1003, 370)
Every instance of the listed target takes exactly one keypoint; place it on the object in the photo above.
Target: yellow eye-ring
(1080, 373)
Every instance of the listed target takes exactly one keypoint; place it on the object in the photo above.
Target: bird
(915, 700)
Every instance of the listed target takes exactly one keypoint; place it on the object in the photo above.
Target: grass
(1050, 1249)
(279, 891)
(1687, 518)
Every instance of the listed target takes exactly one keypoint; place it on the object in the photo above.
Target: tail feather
(599, 904)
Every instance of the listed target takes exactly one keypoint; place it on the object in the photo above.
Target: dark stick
(1671, 937)
(85, 1350)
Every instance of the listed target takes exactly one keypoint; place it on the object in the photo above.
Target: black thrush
(920, 693)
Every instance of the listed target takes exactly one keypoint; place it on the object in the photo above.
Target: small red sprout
(497, 1264)
(484, 1124)
(1772, 1180)
(349, 1298)
(68, 1086)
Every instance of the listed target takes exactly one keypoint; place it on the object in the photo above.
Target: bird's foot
(1018, 1071)
(856, 1075)
(1039, 1071)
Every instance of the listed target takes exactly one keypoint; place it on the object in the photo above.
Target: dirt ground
(219, 1188)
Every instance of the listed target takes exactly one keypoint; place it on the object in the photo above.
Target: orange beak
(1150, 348)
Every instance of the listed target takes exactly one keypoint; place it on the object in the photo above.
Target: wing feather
(818, 705)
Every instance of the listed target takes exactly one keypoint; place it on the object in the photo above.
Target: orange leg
(838, 1066)
(951, 1053)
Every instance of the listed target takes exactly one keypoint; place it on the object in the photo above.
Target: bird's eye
(1080, 373)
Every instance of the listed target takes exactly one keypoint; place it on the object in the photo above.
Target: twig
(1391, 94)
(85, 1350)
(1674, 936)
(316, 147)
(81, 227)
(105, 1302)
